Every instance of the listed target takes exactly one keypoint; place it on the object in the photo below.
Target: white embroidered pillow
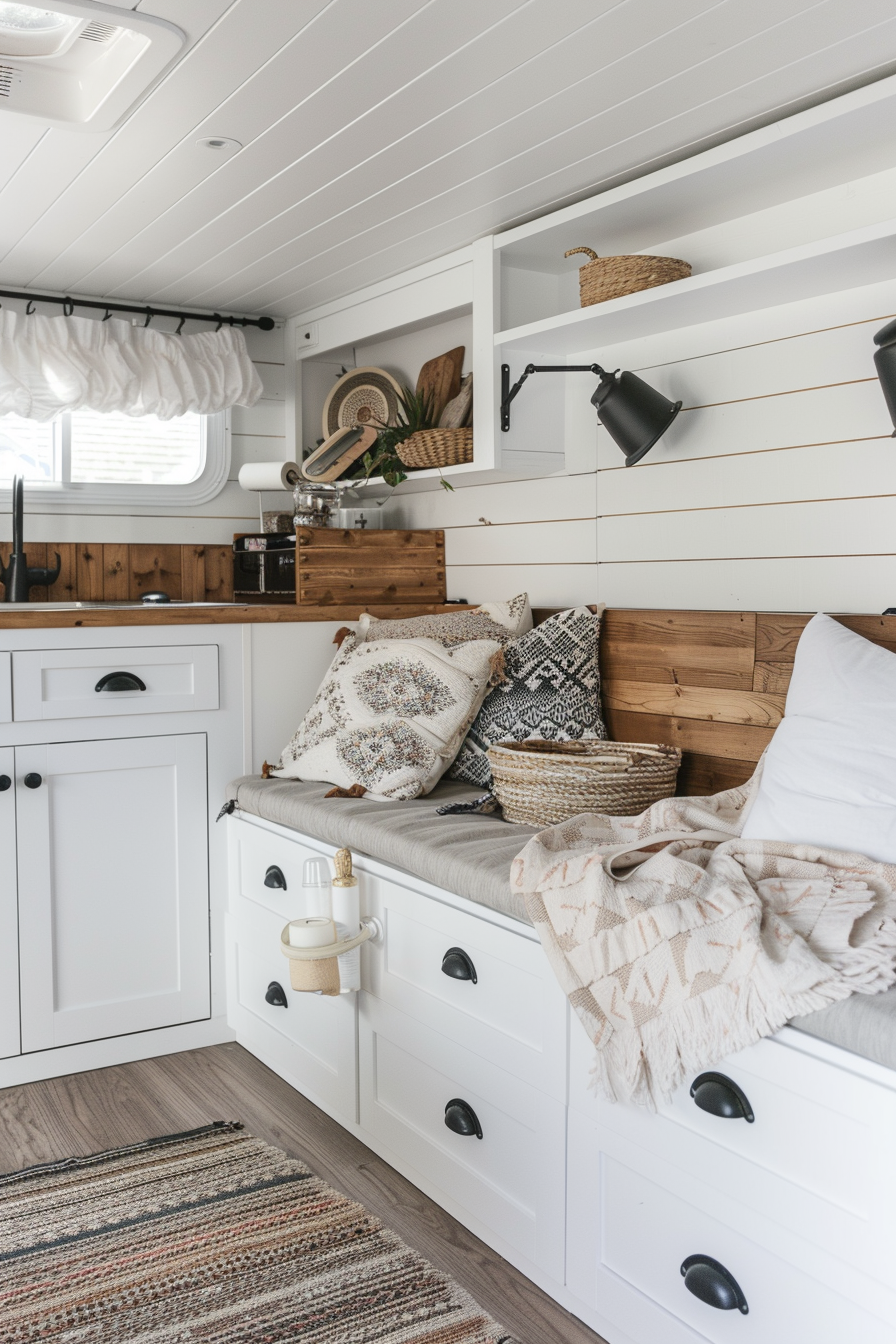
(502, 621)
(391, 715)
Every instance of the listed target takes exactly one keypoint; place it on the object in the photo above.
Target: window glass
(27, 448)
(124, 449)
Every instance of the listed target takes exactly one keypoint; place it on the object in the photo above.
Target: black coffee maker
(16, 576)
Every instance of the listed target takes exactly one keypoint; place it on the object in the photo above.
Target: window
(118, 457)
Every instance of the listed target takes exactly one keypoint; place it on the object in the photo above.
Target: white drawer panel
(515, 1014)
(313, 1037)
(257, 850)
(820, 1150)
(648, 1233)
(5, 688)
(510, 1182)
(62, 683)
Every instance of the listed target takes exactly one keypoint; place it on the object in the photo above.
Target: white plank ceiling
(379, 135)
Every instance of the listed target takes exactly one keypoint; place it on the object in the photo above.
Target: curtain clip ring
(30, 308)
(220, 321)
(180, 326)
(150, 314)
(68, 307)
(107, 314)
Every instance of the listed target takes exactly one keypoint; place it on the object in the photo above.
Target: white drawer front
(62, 683)
(648, 1233)
(256, 851)
(511, 1181)
(5, 688)
(820, 1150)
(515, 1012)
(313, 1039)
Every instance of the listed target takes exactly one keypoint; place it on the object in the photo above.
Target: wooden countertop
(40, 616)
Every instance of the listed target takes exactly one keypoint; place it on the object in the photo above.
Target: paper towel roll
(268, 475)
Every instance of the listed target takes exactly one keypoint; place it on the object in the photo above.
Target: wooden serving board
(440, 379)
(345, 567)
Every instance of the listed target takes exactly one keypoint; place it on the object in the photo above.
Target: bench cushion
(863, 1023)
(469, 855)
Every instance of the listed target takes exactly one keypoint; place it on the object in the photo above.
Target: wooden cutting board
(440, 379)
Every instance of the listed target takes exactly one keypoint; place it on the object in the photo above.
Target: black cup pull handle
(275, 995)
(713, 1284)
(5, 783)
(274, 878)
(120, 681)
(462, 1119)
(459, 965)
(33, 781)
(719, 1095)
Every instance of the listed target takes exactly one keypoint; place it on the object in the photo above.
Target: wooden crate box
(346, 567)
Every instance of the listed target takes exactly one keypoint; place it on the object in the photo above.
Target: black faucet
(17, 577)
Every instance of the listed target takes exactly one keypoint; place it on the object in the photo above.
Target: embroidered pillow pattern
(391, 714)
(551, 690)
(502, 621)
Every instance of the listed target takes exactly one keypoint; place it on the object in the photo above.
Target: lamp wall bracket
(508, 393)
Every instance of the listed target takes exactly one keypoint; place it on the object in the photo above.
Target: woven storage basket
(543, 783)
(437, 448)
(605, 278)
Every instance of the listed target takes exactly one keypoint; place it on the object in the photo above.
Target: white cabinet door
(113, 887)
(9, 942)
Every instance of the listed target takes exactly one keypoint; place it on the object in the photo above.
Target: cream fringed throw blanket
(676, 958)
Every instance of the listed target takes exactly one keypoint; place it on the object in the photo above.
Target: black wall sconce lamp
(885, 363)
(633, 413)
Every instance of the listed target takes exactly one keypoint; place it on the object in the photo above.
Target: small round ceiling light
(222, 144)
(26, 30)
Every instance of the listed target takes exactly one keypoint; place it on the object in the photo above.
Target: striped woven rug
(212, 1236)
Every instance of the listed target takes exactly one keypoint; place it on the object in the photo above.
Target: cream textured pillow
(829, 774)
(502, 621)
(391, 715)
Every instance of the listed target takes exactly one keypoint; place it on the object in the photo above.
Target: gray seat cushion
(469, 855)
(863, 1023)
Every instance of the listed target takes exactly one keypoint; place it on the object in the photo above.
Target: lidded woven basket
(604, 278)
(543, 783)
(437, 448)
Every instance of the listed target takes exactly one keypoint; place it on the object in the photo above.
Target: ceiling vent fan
(79, 64)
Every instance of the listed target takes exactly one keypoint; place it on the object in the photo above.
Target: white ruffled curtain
(54, 364)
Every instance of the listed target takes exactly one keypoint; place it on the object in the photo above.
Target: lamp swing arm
(508, 393)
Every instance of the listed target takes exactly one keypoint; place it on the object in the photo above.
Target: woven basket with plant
(394, 449)
(543, 783)
(604, 278)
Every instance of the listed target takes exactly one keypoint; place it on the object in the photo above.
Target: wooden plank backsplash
(117, 572)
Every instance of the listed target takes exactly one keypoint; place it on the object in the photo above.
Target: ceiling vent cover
(80, 64)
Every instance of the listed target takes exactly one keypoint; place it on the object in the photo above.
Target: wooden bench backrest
(710, 682)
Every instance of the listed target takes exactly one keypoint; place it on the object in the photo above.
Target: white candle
(312, 932)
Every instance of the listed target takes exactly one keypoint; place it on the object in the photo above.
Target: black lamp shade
(885, 363)
(634, 414)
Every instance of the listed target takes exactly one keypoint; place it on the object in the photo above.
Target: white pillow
(391, 714)
(502, 621)
(829, 776)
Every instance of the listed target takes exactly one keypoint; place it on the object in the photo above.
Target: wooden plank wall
(713, 683)
(117, 572)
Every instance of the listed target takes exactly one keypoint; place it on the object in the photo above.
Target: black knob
(275, 995)
(712, 1283)
(274, 877)
(33, 781)
(721, 1096)
(120, 681)
(462, 1119)
(5, 783)
(458, 965)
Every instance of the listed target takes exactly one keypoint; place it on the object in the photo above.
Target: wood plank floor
(88, 1112)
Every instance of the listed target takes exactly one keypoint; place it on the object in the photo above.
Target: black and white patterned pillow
(552, 691)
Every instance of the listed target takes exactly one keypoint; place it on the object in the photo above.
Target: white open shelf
(861, 257)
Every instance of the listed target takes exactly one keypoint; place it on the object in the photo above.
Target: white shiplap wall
(774, 489)
(258, 434)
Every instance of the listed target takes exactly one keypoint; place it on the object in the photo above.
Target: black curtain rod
(69, 305)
